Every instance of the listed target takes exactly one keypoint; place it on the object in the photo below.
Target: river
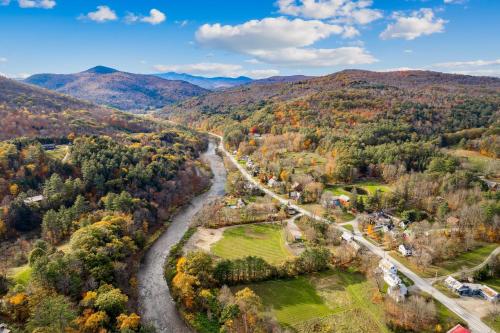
(156, 306)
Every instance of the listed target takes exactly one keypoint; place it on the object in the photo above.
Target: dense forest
(79, 216)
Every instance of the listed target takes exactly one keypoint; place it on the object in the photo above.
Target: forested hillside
(29, 111)
(125, 91)
(427, 101)
(75, 227)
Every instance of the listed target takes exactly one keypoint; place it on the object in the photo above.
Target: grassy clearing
(372, 186)
(476, 161)
(340, 299)
(469, 259)
(59, 152)
(464, 260)
(21, 275)
(349, 227)
(262, 240)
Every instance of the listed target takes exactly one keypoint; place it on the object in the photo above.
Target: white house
(398, 292)
(387, 267)
(273, 182)
(36, 198)
(295, 195)
(347, 236)
(405, 250)
(457, 286)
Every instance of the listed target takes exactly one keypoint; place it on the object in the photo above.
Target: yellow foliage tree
(130, 322)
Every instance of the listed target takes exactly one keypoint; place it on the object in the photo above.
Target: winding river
(156, 306)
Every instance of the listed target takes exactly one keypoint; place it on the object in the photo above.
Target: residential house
(387, 267)
(405, 250)
(459, 329)
(397, 289)
(36, 198)
(331, 202)
(295, 195)
(458, 287)
(273, 182)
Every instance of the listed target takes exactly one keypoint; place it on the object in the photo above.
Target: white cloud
(401, 69)
(311, 57)
(155, 17)
(211, 69)
(102, 14)
(342, 10)
(453, 2)
(472, 63)
(408, 51)
(479, 72)
(419, 23)
(3, 59)
(284, 42)
(268, 33)
(350, 32)
(4, 3)
(182, 23)
(45, 4)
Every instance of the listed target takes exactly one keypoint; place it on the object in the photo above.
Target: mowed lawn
(340, 299)
(261, 240)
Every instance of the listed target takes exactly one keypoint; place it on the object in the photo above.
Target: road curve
(156, 306)
(475, 324)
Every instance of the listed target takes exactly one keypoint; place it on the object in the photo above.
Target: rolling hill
(427, 101)
(125, 91)
(26, 110)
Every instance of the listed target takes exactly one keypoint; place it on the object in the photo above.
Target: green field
(476, 161)
(464, 260)
(372, 186)
(59, 152)
(20, 275)
(262, 240)
(340, 299)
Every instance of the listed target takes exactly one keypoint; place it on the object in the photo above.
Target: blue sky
(255, 38)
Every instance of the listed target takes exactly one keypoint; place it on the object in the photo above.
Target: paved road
(474, 322)
(156, 306)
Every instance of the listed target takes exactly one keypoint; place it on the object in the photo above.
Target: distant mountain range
(218, 83)
(30, 111)
(211, 83)
(125, 91)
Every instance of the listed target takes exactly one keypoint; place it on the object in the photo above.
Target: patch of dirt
(477, 306)
(203, 239)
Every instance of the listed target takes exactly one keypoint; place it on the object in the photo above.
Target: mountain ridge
(122, 90)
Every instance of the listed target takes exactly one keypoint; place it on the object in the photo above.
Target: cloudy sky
(257, 38)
